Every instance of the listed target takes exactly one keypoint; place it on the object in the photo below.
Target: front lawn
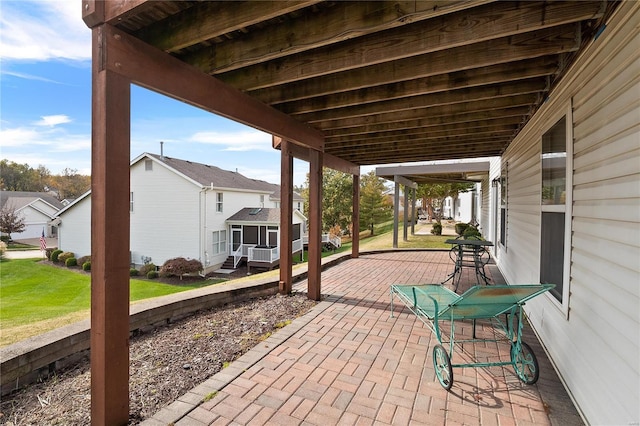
(36, 297)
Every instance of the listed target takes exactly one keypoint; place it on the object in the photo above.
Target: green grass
(37, 296)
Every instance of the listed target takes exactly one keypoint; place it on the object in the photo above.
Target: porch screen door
(236, 238)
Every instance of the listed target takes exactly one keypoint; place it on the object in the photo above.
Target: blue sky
(45, 103)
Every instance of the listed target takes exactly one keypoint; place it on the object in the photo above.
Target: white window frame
(219, 242)
(566, 209)
(219, 202)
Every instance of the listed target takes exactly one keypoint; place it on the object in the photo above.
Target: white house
(36, 208)
(182, 209)
(563, 206)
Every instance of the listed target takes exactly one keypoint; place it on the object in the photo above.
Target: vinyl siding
(596, 346)
(74, 231)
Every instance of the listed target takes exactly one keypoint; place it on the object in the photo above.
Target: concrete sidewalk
(349, 362)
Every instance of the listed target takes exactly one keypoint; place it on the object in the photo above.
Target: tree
(70, 184)
(11, 221)
(434, 194)
(336, 199)
(21, 177)
(373, 207)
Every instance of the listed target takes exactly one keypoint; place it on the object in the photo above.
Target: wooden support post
(396, 213)
(286, 217)
(405, 214)
(110, 153)
(413, 211)
(315, 224)
(355, 218)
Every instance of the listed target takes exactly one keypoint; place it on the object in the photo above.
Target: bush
(86, 266)
(62, 257)
(4, 238)
(472, 233)
(436, 229)
(460, 228)
(55, 254)
(145, 269)
(152, 275)
(70, 262)
(48, 252)
(133, 272)
(180, 266)
(84, 259)
(3, 249)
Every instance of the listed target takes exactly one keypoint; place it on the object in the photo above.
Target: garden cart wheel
(525, 363)
(442, 364)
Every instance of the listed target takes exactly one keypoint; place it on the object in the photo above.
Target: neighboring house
(37, 209)
(182, 209)
(464, 208)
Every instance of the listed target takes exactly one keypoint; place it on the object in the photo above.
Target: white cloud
(43, 30)
(246, 140)
(53, 120)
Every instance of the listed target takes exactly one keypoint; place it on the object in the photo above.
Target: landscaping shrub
(55, 254)
(472, 233)
(48, 252)
(86, 266)
(62, 257)
(460, 228)
(152, 275)
(133, 272)
(84, 259)
(436, 229)
(4, 238)
(145, 269)
(180, 266)
(72, 261)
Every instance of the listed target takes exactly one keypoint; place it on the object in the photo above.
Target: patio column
(396, 213)
(109, 241)
(355, 218)
(413, 212)
(286, 217)
(405, 214)
(315, 223)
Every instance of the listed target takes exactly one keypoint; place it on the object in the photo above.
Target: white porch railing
(270, 255)
(326, 238)
(240, 252)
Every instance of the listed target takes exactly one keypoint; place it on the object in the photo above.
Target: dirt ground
(164, 363)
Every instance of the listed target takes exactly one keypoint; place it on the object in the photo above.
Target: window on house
(219, 242)
(131, 202)
(148, 165)
(553, 207)
(219, 202)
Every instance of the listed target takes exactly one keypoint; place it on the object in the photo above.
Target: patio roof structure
(339, 84)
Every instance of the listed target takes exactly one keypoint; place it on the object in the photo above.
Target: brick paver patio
(348, 362)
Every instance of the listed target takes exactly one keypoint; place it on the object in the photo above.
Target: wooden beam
(110, 160)
(208, 20)
(551, 41)
(329, 160)
(315, 225)
(97, 12)
(404, 181)
(333, 23)
(418, 136)
(442, 121)
(286, 218)
(158, 71)
(508, 89)
(447, 111)
(483, 76)
(473, 25)
(509, 124)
